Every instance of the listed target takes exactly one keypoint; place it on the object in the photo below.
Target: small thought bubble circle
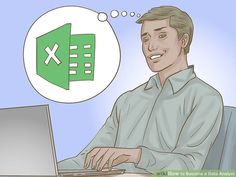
(114, 13)
(124, 13)
(132, 14)
(102, 17)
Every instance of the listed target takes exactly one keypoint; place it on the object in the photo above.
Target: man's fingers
(98, 156)
(120, 159)
(90, 156)
(105, 159)
(110, 161)
(115, 159)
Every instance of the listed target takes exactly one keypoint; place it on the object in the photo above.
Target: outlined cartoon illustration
(169, 122)
(75, 125)
(62, 57)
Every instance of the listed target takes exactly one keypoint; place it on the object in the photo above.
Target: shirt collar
(177, 80)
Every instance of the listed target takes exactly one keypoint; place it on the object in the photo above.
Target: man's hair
(178, 19)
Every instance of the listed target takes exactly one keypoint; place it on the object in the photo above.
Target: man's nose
(153, 45)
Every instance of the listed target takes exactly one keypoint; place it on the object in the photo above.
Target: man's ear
(185, 40)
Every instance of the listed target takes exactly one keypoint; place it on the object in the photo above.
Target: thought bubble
(69, 60)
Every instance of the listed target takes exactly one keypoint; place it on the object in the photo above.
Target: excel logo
(71, 54)
(62, 57)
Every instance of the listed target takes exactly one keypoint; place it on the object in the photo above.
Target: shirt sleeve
(195, 139)
(106, 137)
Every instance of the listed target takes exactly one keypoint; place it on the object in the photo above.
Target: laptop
(27, 145)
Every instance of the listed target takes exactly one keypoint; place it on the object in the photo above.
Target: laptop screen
(27, 146)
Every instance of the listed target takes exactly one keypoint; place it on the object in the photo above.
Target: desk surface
(120, 175)
(123, 175)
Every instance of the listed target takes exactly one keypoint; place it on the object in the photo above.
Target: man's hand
(98, 158)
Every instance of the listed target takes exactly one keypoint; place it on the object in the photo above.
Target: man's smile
(155, 56)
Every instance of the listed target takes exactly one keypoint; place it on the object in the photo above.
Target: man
(169, 122)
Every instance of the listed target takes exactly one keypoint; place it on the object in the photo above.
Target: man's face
(160, 44)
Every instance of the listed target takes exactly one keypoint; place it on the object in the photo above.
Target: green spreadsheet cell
(83, 53)
(62, 57)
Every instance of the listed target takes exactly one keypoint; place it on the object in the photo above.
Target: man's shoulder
(201, 88)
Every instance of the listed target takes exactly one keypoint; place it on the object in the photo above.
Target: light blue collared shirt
(174, 125)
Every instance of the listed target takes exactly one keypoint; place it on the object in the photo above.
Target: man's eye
(161, 36)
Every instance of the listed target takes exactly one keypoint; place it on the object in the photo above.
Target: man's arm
(194, 142)
(106, 137)
(195, 139)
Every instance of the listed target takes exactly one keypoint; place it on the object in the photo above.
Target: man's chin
(155, 69)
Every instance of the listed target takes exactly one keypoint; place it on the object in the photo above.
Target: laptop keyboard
(90, 172)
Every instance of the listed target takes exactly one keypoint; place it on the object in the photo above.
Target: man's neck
(179, 65)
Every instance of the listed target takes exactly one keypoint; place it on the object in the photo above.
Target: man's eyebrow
(158, 29)
(144, 34)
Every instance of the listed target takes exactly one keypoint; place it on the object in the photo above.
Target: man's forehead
(148, 25)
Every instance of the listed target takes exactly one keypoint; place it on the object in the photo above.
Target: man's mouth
(153, 57)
